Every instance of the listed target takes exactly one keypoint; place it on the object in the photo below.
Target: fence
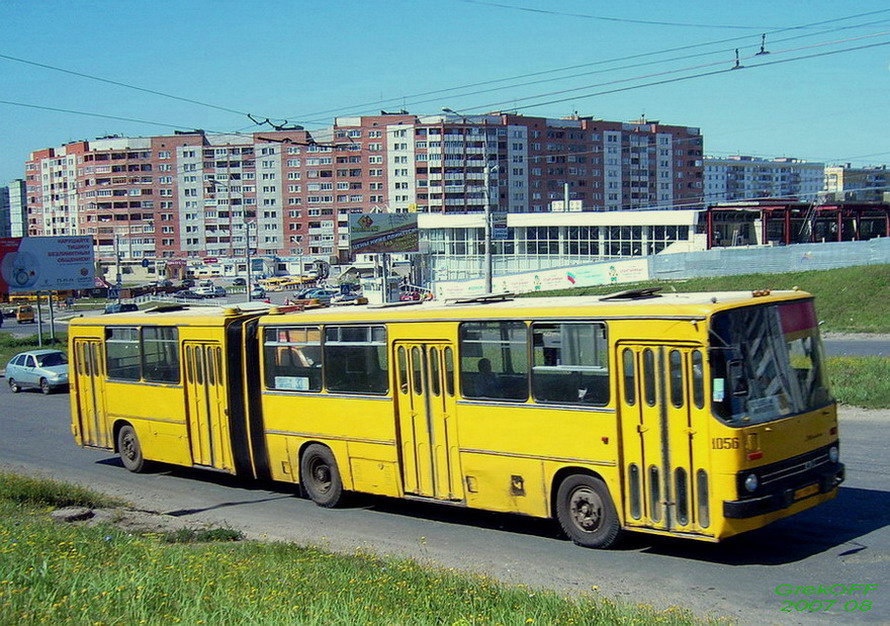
(769, 260)
(716, 262)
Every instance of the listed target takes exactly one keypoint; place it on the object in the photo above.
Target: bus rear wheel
(586, 512)
(129, 449)
(320, 476)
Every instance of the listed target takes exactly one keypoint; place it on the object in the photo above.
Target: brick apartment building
(197, 195)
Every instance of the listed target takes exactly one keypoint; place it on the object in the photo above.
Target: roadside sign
(46, 263)
(499, 225)
(383, 232)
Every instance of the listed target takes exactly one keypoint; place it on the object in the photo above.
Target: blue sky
(306, 61)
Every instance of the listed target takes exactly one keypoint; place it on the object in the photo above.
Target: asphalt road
(844, 542)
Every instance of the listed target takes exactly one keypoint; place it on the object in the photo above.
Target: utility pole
(488, 262)
(117, 261)
(249, 272)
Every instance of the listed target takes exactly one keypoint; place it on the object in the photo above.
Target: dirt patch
(128, 520)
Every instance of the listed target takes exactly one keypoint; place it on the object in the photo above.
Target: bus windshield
(767, 363)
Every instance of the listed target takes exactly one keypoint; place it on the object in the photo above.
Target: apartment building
(859, 184)
(194, 195)
(733, 178)
(18, 208)
(4, 212)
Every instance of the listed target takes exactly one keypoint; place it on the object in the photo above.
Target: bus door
(90, 386)
(205, 402)
(664, 436)
(427, 427)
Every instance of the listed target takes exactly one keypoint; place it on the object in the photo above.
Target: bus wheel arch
(320, 477)
(584, 506)
(126, 443)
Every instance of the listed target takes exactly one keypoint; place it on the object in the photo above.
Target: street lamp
(488, 261)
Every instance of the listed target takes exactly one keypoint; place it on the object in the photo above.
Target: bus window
(434, 371)
(570, 364)
(417, 373)
(649, 376)
(449, 371)
(675, 366)
(293, 358)
(122, 353)
(698, 380)
(355, 359)
(160, 354)
(630, 382)
(403, 369)
(494, 360)
(682, 496)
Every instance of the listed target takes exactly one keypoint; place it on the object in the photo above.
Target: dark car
(120, 307)
(188, 282)
(239, 282)
(187, 294)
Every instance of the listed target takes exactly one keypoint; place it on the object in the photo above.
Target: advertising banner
(46, 263)
(371, 233)
(614, 272)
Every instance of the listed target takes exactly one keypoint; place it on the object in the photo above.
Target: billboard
(611, 272)
(46, 263)
(371, 233)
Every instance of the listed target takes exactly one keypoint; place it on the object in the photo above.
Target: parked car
(318, 293)
(120, 307)
(164, 283)
(187, 283)
(257, 293)
(188, 294)
(217, 292)
(239, 282)
(46, 370)
(24, 314)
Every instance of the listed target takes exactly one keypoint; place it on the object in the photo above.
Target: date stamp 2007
(846, 598)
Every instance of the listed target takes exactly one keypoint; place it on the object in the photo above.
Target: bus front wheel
(129, 449)
(586, 512)
(320, 476)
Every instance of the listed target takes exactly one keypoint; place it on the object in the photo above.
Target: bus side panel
(374, 468)
(502, 483)
(502, 445)
(157, 414)
(339, 422)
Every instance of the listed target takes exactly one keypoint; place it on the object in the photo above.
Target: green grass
(850, 299)
(10, 345)
(63, 573)
(861, 381)
(40, 491)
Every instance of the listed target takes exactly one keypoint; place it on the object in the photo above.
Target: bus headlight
(751, 483)
(833, 454)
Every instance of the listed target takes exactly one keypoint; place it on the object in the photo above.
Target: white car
(46, 370)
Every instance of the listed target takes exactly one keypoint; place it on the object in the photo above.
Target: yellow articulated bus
(694, 415)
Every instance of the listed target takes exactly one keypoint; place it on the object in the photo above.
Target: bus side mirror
(735, 374)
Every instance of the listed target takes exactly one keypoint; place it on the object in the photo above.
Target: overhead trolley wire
(669, 80)
(122, 84)
(397, 101)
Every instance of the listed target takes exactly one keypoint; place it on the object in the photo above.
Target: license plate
(806, 492)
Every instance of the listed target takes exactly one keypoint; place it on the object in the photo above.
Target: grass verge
(849, 299)
(862, 381)
(58, 573)
(10, 344)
